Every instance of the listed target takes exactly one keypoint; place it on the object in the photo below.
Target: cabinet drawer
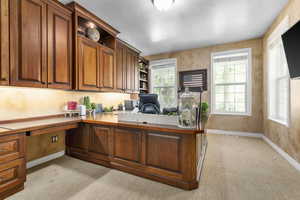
(12, 174)
(12, 147)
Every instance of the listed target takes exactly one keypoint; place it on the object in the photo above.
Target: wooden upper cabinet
(28, 43)
(59, 48)
(89, 64)
(107, 68)
(120, 67)
(4, 42)
(136, 84)
(129, 75)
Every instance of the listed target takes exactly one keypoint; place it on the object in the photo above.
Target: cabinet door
(129, 75)
(99, 140)
(4, 42)
(89, 65)
(163, 151)
(28, 43)
(120, 67)
(12, 147)
(12, 174)
(136, 83)
(107, 68)
(59, 48)
(127, 144)
(78, 138)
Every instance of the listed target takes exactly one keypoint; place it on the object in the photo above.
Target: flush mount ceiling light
(163, 5)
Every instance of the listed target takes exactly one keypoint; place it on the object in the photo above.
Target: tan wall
(18, 102)
(287, 138)
(201, 58)
(30, 102)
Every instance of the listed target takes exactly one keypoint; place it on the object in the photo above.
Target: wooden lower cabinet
(12, 164)
(126, 144)
(165, 157)
(77, 141)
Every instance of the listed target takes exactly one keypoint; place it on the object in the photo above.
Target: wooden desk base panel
(164, 157)
(76, 153)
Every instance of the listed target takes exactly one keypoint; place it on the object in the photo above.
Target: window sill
(233, 114)
(286, 124)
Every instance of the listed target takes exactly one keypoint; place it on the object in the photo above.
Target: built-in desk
(163, 153)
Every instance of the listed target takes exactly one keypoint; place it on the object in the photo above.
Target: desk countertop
(108, 119)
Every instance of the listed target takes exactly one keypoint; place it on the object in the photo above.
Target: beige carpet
(236, 168)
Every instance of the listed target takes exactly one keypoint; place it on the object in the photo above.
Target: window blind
(231, 89)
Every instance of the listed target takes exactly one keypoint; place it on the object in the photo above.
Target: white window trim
(279, 30)
(249, 83)
(171, 61)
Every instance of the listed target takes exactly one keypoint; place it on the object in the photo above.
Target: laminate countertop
(106, 119)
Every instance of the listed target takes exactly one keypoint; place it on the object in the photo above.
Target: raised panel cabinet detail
(12, 147)
(89, 65)
(163, 151)
(99, 140)
(59, 49)
(107, 68)
(4, 42)
(28, 43)
(12, 174)
(78, 138)
(120, 67)
(127, 144)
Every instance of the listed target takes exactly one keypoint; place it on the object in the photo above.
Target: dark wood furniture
(12, 164)
(34, 35)
(95, 61)
(42, 46)
(127, 68)
(60, 60)
(160, 154)
(163, 153)
(144, 75)
(4, 42)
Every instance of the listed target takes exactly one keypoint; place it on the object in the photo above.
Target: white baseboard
(44, 159)
(234, 133)
(286, 156)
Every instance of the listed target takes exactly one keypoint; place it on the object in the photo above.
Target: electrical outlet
(54, 139)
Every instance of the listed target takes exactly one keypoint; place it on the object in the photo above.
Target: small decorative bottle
(187, 110)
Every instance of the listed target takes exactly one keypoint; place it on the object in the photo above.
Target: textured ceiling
(188, 24)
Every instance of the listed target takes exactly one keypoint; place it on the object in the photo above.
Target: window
(231, 82)
(164, 81)
(278, 77)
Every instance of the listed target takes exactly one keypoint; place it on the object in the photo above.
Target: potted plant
(204, 114)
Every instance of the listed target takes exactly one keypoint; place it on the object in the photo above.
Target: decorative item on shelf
(187, 110)
(81, 30)
(82, 110)
(88, 104)
(120, 107)
(109, 109)
(93, 107)
(93, 34)
(71, 105)
(99, 108)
